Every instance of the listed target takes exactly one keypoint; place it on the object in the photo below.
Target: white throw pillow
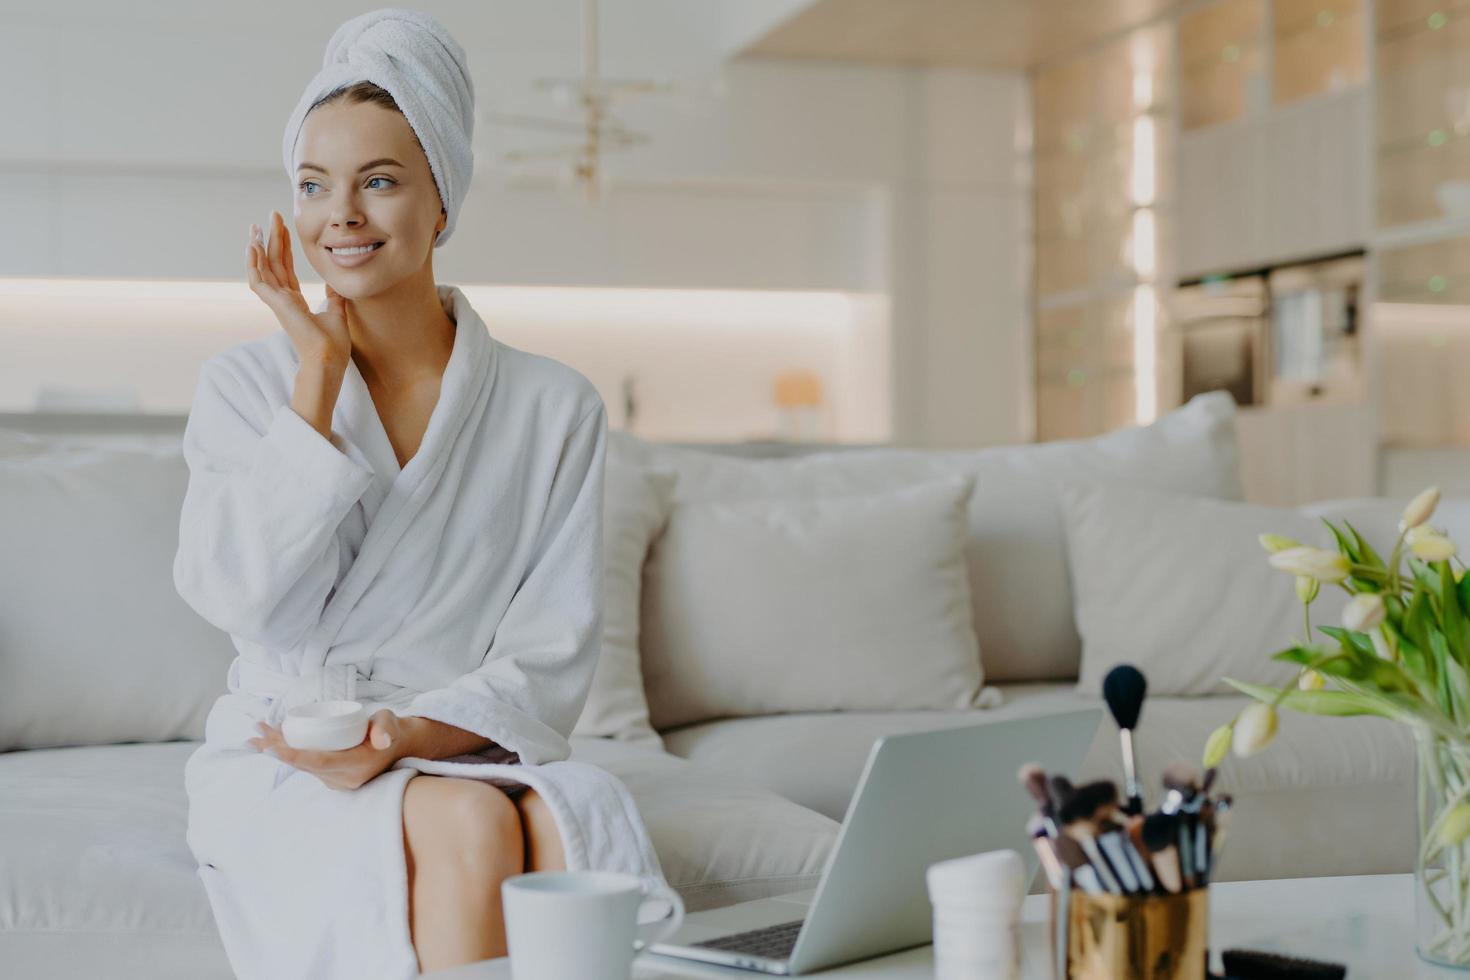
(635, 506)
(1015, 545)
(1180, 587)
(856, 603)
(95, 644)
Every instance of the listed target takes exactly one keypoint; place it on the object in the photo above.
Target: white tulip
(1217, 745)
(1311, 681)
(1420, 509)
(1276, 542)
(1364, 611)
(1383, 645)
(1254, 729)
(1456, 826)
(1307, 589)
(1430, 545)
(1317, 563)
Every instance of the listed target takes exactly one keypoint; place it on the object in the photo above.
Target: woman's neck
(401, 336)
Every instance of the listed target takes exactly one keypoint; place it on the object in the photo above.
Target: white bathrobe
(465, 587)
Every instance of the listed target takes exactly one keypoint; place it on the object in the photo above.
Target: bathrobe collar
(397, 497)
(356, 415)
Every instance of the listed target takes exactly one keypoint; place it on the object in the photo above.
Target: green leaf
(1416, 662)
(1457, 683)
(1351, 639)
(1441, 651)
(1425, 576)
(1301, 656)
(1415, 624)
(1456, 626)
(1383, 675)
(1370, 557)
(1464, 589)
(1344, 544)
(1340, 704)
(1345, 667)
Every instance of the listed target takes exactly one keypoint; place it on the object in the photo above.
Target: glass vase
(1442, 869)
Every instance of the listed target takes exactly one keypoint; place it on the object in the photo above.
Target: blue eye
(304, 183)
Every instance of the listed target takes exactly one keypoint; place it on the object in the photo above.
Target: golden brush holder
(1133, 937)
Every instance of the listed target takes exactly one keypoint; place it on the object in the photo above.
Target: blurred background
(938, 223)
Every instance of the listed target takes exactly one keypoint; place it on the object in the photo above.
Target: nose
(345, 212)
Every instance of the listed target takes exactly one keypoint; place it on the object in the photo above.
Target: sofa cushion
(96, 646)
(816, 758)
(837, 603)
(92, 840)
(1350, 780)
(97, 878)
(1015, 544)
(1181, 588)
(635, 506)
(719, 840)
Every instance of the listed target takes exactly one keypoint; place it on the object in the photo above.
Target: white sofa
(95, 876)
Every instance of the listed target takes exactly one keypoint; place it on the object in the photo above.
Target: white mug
(581, 924)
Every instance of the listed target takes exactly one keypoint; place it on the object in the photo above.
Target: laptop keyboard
(773, 942)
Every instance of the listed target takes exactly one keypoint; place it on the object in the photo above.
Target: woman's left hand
(346, 768)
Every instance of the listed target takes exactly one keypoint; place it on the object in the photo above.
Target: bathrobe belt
(332, 682)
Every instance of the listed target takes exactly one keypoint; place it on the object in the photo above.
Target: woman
(387, 504)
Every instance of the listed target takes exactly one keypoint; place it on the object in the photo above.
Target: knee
(483, 829)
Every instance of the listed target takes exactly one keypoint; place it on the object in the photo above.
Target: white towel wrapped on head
(413, 58)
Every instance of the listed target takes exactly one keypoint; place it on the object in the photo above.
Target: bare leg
(544, 850)
(462, 838)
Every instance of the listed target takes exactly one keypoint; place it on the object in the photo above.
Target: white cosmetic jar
(325, 726)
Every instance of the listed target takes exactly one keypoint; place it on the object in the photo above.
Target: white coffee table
(1366, 922)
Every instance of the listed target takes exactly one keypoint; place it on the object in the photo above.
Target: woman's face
(339, 199)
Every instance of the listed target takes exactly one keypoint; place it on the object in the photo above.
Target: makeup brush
(1180, 781)
(1124, 688)
(1046, 849)
(1088, 817)
(1074, 858)
(1115, 847)
(1085, 801)
(1160, 837)
(1129, 852)
(1033, 777)
(1133, 827)
(1078, 814)
(1203, 827)
(1221, 821)
(1061, 790)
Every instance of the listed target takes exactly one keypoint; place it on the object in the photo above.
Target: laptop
(923, 797)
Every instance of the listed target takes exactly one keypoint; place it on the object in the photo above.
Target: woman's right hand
(272, 275)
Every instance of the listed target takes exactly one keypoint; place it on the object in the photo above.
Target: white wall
(147, 143)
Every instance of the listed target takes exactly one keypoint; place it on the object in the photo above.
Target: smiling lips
(353, 256)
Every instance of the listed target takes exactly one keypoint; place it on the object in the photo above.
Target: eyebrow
(381, 162)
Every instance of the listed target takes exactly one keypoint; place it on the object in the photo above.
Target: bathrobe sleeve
(258, 549)
(530, 689)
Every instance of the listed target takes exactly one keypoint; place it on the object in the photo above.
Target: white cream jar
(325, 726)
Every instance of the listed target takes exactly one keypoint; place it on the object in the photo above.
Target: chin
(357, 287)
